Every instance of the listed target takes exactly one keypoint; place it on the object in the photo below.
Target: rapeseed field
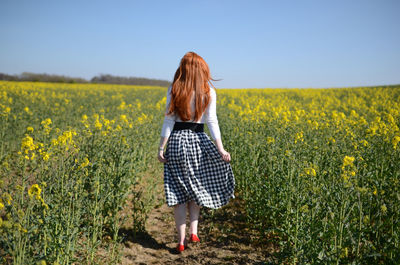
(317, 170)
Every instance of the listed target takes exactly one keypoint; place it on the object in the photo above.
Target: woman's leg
(194, 212)
(180, 221)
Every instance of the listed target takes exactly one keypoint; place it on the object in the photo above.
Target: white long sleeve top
(209, 116)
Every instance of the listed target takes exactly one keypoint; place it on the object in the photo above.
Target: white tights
(180, 219)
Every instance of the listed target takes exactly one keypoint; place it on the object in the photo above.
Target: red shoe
(180, 248)
(194, 238)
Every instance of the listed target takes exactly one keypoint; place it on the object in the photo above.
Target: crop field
(317, 170)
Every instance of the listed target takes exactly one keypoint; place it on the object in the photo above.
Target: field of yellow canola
(317, 170)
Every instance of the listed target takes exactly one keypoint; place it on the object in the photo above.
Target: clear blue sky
(246, 43)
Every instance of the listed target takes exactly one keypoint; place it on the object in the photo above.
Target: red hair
(192, 75)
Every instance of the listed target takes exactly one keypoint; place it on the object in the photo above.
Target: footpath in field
(223, 234)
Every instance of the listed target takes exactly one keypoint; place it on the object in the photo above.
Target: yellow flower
(122, 106)
(98, 125)
(7, 197)
(27, 144)
(46, 122)
(34, 190)
(106, 123)
(46, 156)
(383, 208)
(29, 129)
(310, 171)
(270, 140)
(26, 109)
(299, 136)
(345, 252)
(395, 141)
(142, 119)
(85, 163)
(43, 203)
(348, 161)
(1, 205)
(84, 120)
(315, 125)
(345, 178)
(304, 208)
(123, 118)
(366, 219)
(41, 262)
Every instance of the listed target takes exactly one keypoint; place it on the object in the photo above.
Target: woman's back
(209, 116)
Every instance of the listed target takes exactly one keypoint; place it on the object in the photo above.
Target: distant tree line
(26, 76)
(102, 78)
(111, 79)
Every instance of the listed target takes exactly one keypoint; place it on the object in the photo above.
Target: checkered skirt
(196, 171)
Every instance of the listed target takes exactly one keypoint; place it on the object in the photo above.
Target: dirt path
(223, 234)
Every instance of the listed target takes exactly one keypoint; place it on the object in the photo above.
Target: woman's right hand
(161, 156)
(225, 155)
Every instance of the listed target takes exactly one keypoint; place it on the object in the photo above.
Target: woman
(196, 172)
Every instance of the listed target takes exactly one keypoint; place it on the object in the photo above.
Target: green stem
(359, 224)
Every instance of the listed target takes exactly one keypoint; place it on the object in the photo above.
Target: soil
(225, 239)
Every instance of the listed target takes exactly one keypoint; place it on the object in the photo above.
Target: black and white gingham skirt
(196, 171)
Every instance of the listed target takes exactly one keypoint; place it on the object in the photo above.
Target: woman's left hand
(161, 157)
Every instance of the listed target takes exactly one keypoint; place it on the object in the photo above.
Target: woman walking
(196, 171)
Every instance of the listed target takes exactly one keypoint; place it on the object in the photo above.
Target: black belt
(196, 127)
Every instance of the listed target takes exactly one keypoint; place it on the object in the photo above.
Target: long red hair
(192, 75)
